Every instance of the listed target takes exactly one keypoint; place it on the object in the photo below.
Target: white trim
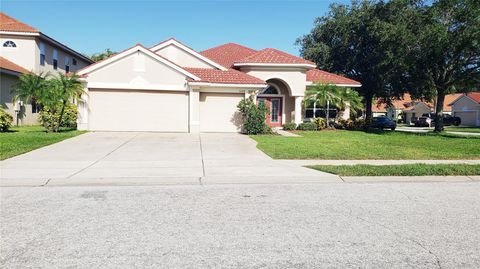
(217, 90)
(225, 85)
(276, 65)
(310, 84)
(130, 51)
(128, 86)
(19, 33)
(188, 50)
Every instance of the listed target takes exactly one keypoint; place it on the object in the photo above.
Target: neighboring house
(467, 107)
(172, 88)
(31, 50)
(406, 108)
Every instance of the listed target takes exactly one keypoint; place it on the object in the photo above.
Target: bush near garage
(253, 116)
(5, 121)
(307, 126)
(289, 126)
(48, 117)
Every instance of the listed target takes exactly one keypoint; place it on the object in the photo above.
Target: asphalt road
(374, 225)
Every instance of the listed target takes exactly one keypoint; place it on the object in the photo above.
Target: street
(323, 225)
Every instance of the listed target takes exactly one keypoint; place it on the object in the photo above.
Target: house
(170, 87)
(467, 107)
(406, 108)
(25, 49)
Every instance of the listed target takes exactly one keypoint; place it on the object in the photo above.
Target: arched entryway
(279, 102)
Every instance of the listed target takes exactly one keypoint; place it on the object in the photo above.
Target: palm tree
(349, 98)
(70, 88)
(29, 87)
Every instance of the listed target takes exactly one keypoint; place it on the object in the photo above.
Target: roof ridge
(226, 44)
(15, 21)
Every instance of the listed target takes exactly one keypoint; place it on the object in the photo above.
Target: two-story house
(23, 49)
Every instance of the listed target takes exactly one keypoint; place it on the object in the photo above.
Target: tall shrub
(5, 121)
(253, 116)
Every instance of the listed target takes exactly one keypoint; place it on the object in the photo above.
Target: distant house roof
(406, 103)
(10, 24)
(320, 76)
(475, 96)
(230, 76)
(228, 54)
(10, 66)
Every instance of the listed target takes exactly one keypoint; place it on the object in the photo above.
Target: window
(35, 107)
(55, 59)
(270, 90)
(74, 61)
(42, 54)
(9, 44)
(66, 62)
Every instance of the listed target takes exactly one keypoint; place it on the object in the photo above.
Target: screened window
(270, 90)
(42, 53)
(9, 44)
(55, 59)
(66, 62)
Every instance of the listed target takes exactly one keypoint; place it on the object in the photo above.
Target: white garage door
(127, 110)
(469, 118)
(219, 113)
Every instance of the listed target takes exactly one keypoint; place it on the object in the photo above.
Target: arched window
(270, 90)
(9, 44)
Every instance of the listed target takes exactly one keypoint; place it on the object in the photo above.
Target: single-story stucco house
(172, 88)
(467, 107)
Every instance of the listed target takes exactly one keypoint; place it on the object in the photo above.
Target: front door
(274, 105)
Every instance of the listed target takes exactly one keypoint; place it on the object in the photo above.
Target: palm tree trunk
(61, 116)
(328, 112)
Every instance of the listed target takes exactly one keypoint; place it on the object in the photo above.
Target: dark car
(428, 120)
(383, 123)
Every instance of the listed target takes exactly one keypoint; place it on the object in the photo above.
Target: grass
(401, 170)
(27, 138)
(463, 129)
(357, 145)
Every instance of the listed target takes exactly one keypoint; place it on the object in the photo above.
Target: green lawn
(27, 138)
(356, 145)
(401, 170)
(463, 129)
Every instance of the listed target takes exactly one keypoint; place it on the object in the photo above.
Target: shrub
(359, 124)
(5, 121)
(344, 124)
(321, 123)
(253, 117)
(49, 117)
(307, 126)
(289, 126)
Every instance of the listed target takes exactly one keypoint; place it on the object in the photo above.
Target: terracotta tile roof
(230, 76)
(475, 96)
(6, 64)
(8, 23)
(273, 56)
(449, 99)
(406, 103)
(228, 54)
(320, 76)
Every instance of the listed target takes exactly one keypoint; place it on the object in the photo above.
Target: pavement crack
(103, 157)
(46, 183)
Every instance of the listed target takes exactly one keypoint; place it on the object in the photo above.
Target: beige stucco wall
(25, 117)
(294, 78)
(468, 110)
(181, 57)
(24, 54)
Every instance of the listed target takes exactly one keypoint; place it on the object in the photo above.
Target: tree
(102, 55)
(70, 88)
(326, 95)
(446, 55)
(364, 41)
(29, 87)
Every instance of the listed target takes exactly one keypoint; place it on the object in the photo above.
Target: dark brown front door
(274, 105)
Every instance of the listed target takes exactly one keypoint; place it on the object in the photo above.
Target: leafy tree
(70, 88)
(102, 55)
(445, 57)
(364, 41)
(29, 87)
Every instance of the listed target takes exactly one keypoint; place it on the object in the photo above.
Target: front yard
(463, 129)
(27, 138)
(356, 145)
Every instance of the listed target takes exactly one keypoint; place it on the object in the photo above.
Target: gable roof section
(320, 76)
(10, 24)
(187, 49)
(229, 76)
(227, 54)
(10, 66)
(475, 96)
(127, 52)
(271, 56)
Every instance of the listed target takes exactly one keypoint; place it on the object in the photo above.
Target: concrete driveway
(152, 157)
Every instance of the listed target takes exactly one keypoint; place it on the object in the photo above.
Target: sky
(92, 26)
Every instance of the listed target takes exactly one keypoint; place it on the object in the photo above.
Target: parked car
(384, 123)
(428, 120)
